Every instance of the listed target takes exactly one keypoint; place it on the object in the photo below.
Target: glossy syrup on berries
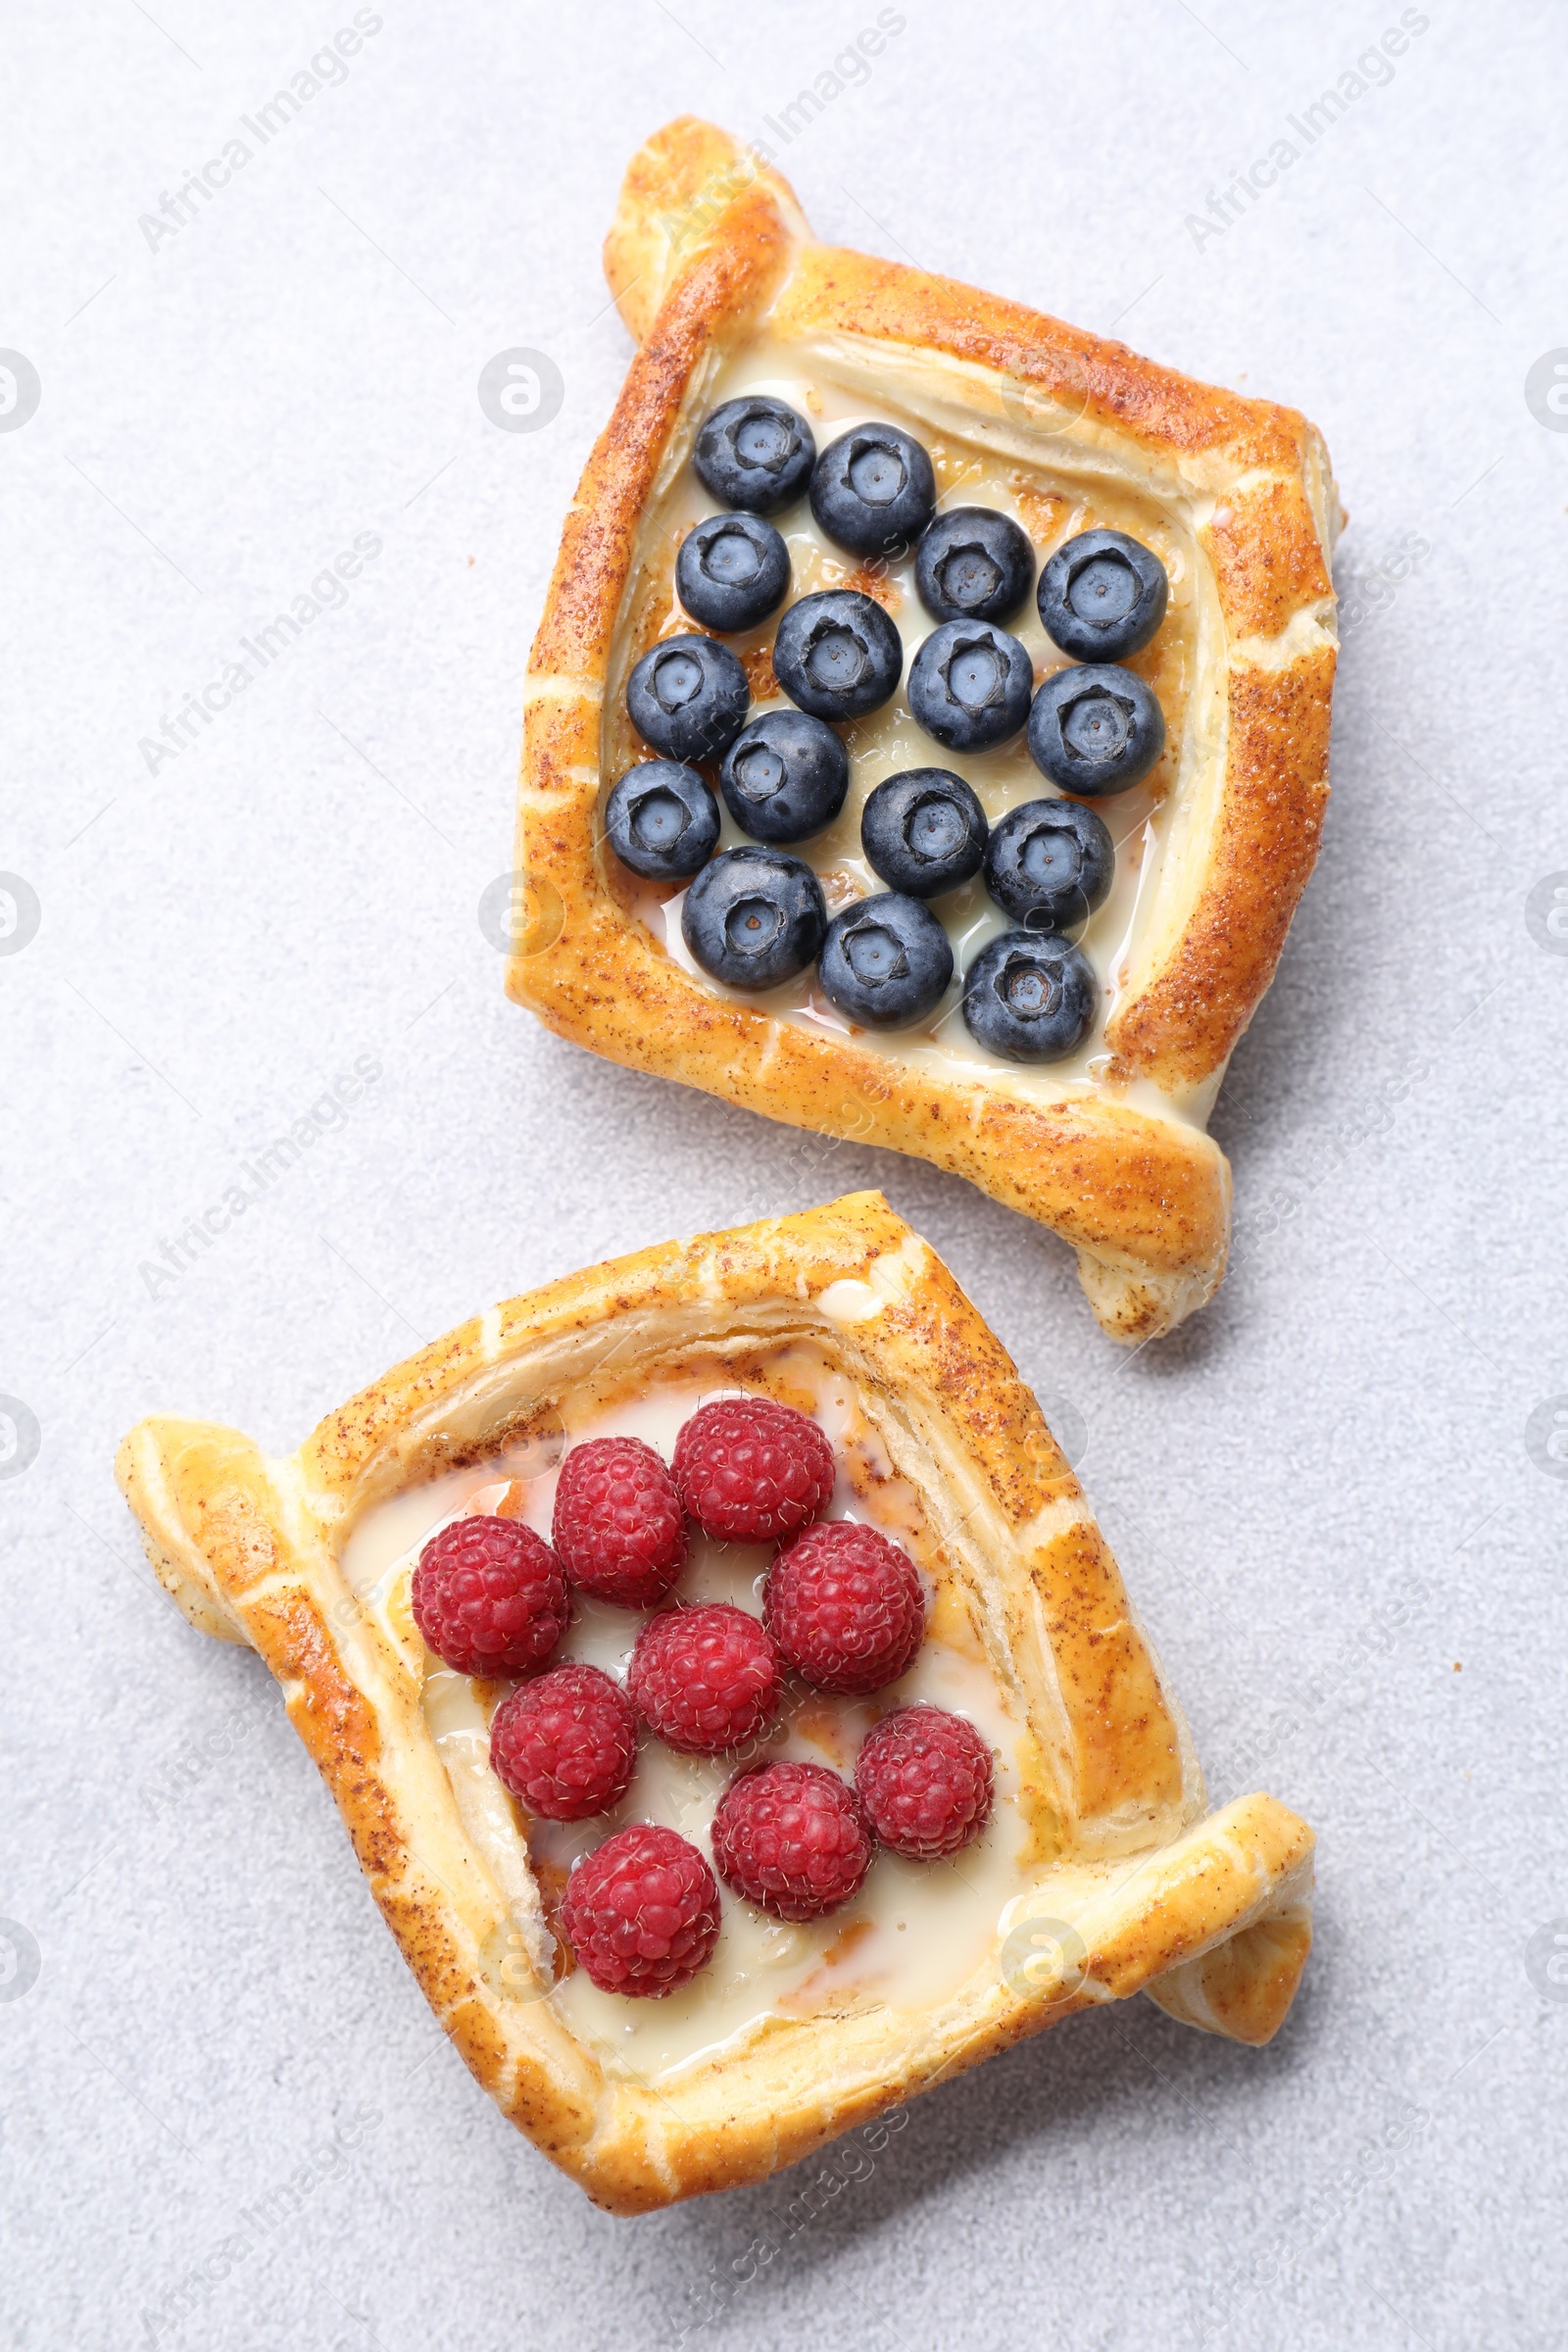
(915, 1928)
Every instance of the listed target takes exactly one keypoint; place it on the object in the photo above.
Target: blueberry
(688, 697)
(1094, 730)
(663, 820)
(969, 685)
(1103, 596)
(924, 831)
(886, 961)
(1029, 999)
(1049, 863)
(837, 655)
(732, 571)
(785, 777)
(973, 565)
(873, 490)
(754, 918)
(754, 454)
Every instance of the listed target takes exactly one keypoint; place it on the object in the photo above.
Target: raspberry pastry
(818, 1756)
(1010, 655)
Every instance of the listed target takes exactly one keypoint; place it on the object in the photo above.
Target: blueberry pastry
(977, 613)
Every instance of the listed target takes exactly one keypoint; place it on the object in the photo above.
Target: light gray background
(1321, 1490)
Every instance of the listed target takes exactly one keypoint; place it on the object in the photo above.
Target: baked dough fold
(709, 249)
(1132, 1887)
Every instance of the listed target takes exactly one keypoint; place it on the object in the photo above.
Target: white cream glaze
(915, 1932)
(1052, 507)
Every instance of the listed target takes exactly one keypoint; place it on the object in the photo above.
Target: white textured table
(230, 2120)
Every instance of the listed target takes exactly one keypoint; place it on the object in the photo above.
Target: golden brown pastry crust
(707, 247)
(1210, 1916)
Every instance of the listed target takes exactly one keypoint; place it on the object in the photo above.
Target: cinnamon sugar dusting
(758, 664)
(1045, 514)
(823, 1724)
(551, 1880)
(841, 888)
(868, 581)
(818, 1986)
(954, 470)
(951, 1621)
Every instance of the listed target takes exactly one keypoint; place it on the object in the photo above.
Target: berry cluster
(757, 916)
(842, 1608)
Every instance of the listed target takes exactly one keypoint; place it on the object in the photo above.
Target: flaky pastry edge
(1210, 1914)
(707, 246)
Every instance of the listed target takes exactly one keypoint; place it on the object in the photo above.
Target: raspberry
(489, 1596)
(619, 1527)
(751, 1471)
(565, 1744)
(704, 1679)
(845, 1607)
(640, 1913)
(790, 1838)
(924, 1779)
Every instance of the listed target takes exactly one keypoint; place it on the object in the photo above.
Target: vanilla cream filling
(1052, 505)
(915, 1932)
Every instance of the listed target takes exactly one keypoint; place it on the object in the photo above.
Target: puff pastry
(714, 271)
(1128, 1886)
